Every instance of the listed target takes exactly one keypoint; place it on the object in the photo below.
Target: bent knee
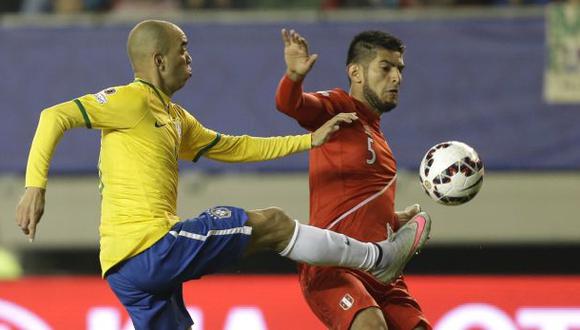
(273, 212)
(272, 229)
(269, 217)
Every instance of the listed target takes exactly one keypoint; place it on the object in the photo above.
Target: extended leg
(273, 229)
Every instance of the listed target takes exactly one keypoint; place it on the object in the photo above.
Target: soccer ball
(451, 173)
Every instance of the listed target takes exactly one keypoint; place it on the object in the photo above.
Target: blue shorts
(150, 284)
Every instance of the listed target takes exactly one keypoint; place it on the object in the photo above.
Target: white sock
(321, 247)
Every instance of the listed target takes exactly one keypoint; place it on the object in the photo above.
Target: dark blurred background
(78, 6)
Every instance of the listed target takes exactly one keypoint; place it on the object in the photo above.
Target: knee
(272, 218)
(272, 228)
(279, 216)
(284, 226)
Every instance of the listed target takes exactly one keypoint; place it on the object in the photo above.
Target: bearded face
(382, 79)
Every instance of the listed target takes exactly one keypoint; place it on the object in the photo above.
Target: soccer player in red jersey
(352, 179)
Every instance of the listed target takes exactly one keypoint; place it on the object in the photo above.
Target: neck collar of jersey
(162, 97)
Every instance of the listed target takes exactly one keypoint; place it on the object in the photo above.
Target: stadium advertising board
(562, 74)
(275, 302)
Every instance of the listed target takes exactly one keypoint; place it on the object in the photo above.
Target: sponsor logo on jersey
(346, 302)
(101, 96)
(219, 212)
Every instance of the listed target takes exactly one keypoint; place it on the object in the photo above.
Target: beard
(375, 102)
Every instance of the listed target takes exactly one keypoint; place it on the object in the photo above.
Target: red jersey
(352, 191)
(352, 176)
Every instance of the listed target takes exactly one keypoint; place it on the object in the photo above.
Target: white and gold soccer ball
(451, 173)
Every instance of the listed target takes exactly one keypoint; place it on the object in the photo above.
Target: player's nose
(396, 79)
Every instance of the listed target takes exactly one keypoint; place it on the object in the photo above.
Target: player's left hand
(298, 59)
(322, 134)
(408, 213)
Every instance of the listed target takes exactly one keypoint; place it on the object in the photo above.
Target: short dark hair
(364, 45)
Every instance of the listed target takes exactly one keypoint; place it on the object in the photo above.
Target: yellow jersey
(143, 134)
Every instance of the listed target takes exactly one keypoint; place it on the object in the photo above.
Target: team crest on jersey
(101, 96)
(346, 302)
(219, 212)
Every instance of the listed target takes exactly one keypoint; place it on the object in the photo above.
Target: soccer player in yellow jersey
(146, 251)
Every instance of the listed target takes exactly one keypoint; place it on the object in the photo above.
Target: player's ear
(159, 61)
(354, 72)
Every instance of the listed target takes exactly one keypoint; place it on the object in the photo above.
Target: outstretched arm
(254, 149)
(199, 141)
(307, 109)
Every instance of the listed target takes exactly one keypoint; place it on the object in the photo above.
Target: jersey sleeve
(309, 109)
(198, 141)
(110, 108)
(53, 122)
(195, 138)
(113, 108)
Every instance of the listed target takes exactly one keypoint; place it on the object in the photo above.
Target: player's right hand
(408, 214)
(29, 211)
(324, 132)
(298, 60)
